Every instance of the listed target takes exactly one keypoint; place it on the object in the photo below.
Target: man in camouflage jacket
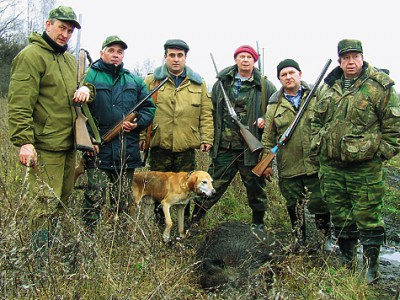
(356, 127)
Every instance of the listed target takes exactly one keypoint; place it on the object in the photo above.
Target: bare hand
(81, 95)
(128, 126)
(28, 155)
(205, 147)
(268, 173)
(260, 123)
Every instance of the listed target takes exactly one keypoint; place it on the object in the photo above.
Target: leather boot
(198, 215)
(323, 224)
(371, 263)
(258, 219)
(297, 219)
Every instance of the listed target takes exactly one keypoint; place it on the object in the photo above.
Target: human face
(59, 31)
(351, 63)
(175, 60)
(113, 54)
(245, 63)
(290, 79)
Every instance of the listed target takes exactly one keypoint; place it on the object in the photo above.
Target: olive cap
(347, 45)
(176, 44)
(64, 13)
(113, 39)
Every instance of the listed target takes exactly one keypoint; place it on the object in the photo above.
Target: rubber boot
(371, 263)
(297, 219)
(258, 220)
(348, 248)
(41, 242)
(371, 239)
(323, 224)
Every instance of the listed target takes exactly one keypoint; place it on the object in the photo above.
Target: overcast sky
(306, 30)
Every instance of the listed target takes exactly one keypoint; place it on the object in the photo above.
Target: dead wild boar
(231, 253)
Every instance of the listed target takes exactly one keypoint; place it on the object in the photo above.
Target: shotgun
(252, 142)
(263, 164)
(83, 140)
(132, 116)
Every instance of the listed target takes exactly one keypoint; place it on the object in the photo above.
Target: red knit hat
(248, 49)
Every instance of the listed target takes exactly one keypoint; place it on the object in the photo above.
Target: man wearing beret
(183, 119)
(41, 117)
(118, 91)
(244, 85)
(356, 127)
(298, 173)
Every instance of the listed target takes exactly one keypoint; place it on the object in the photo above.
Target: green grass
(135, 264)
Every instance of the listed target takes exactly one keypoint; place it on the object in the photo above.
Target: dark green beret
(64, 13)
(113, 39)
(287, 63)
(176, 44)
(349, 45)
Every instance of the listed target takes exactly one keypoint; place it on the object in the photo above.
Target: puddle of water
(390, 254)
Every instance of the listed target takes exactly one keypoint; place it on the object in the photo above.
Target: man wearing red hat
(244, 85)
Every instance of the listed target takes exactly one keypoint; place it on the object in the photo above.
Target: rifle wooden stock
(263, 164)
(131, 117)
(251, 141)
(115, 131)
(83, 140)
(259, 169)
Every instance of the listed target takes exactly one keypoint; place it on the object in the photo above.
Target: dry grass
(119, 264)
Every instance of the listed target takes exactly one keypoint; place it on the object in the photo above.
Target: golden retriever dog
(170, 189)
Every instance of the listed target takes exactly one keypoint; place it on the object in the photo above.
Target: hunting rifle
(252, 142)
(263, 164)
(83, 140)
(131, 117)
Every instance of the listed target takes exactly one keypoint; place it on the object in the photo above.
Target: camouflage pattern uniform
(354, 131)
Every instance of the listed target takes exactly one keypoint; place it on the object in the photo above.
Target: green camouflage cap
(113, 39)
(65, 13)
(349, 45)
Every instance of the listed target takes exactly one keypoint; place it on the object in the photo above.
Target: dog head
(201, 183)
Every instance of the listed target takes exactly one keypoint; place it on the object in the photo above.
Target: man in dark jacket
(117, 92)
(244, 85)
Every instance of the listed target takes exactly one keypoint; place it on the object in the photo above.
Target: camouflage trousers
(354, 193)
(297, 190)
(223, 169)
(115, 184)
(168, 161)
(50, 185)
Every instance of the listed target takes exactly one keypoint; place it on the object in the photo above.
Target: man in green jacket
(298, 173)
(356, 127)
(41, 117)
(183, 120)
(244, 85)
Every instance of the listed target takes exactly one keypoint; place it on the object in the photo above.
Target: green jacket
(40, 106)
(358, 124)
(254, 110)
(183, 118)
(293, 159)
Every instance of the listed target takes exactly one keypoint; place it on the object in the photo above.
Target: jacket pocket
(359, 148)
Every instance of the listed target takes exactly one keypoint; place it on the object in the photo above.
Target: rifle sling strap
(92, 125)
